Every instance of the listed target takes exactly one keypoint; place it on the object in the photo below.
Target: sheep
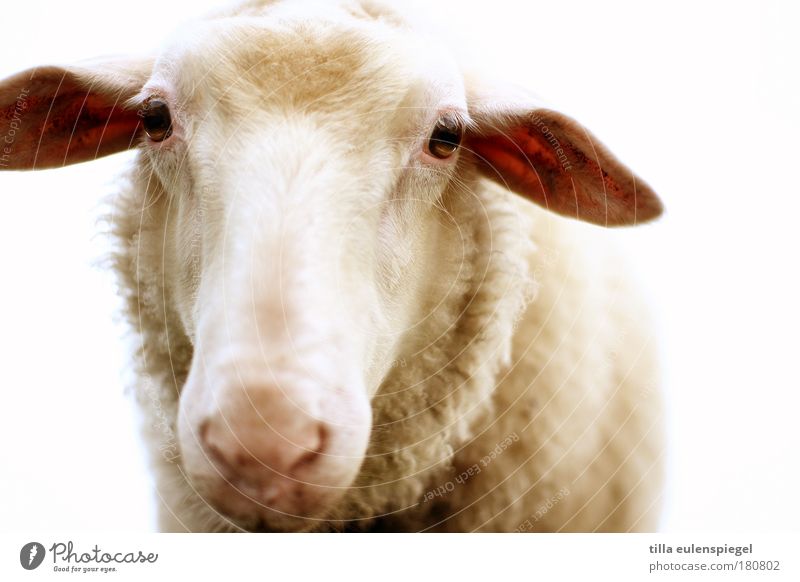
(364, 290)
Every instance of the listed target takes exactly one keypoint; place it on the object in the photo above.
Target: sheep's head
(305, 155)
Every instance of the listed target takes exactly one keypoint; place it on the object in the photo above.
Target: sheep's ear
(554, 161)
(54, 116)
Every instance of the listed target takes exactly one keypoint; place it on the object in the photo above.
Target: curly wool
(539, 355)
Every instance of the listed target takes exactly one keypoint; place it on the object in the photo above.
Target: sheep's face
(305, 166)
(303, 156)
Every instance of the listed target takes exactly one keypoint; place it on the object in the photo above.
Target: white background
(701, 99)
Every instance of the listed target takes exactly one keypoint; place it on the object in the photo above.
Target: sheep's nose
(271, 450)
(264, 458)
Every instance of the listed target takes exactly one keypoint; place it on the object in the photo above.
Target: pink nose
(266, 457)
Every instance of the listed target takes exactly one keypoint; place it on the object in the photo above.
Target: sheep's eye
(446, 137)
(156, 120)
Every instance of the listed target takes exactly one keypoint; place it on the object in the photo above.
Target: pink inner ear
(92, 128)
(551, 160)
(520, 161)
(73, 126)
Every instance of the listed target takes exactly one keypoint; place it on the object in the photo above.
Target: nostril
(231, 456)
(313, 452)
(211, 447)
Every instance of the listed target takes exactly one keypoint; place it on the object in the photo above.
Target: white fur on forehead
(363, 9)
(289, 55)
